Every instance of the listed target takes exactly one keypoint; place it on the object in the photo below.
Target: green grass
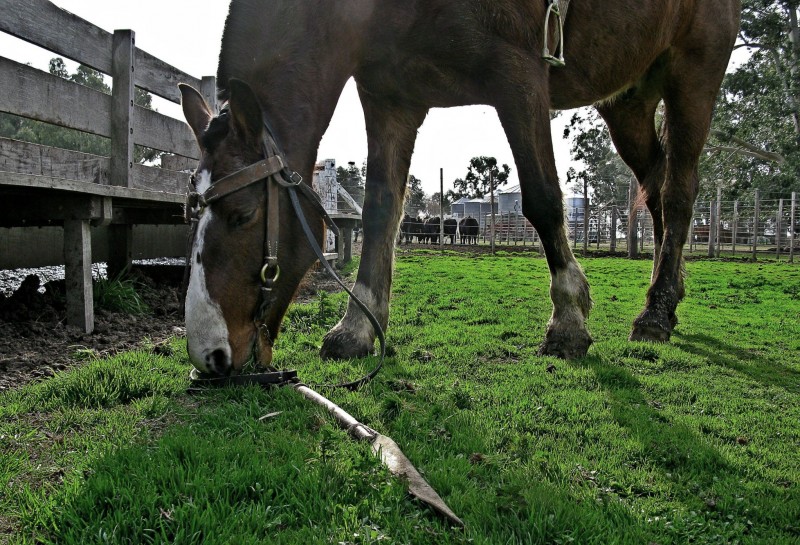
(695, 441)
(118, 294)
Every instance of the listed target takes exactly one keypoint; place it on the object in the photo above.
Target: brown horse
(407, 56)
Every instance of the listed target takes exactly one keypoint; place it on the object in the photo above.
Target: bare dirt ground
(35, 341)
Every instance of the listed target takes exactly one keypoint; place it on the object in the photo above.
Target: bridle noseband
(274, 172)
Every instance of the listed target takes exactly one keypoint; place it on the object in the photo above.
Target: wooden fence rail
(41, 185)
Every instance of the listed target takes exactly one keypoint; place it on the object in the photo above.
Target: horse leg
(391, 133)
(690, 90)
(630, 121)
(524, 113)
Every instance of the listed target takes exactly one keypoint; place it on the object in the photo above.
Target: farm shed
(509, 201)
(476, 208)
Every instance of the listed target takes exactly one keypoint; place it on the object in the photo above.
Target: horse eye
(240, 219)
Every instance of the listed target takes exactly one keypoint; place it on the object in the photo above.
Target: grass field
(695, 441)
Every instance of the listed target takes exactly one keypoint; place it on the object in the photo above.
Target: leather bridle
(273, 171)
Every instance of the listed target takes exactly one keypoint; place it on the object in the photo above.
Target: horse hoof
(339, 344)
(567, 345)
(647, 331)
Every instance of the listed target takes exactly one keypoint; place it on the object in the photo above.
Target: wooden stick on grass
(388, 451)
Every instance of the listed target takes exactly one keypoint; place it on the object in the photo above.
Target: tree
(476, 183)
(29, 130)
(352, 180)
(415, 196)
(433, 206)
(755, 138)
(606, 174)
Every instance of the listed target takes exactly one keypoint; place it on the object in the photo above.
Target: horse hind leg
(689, 94)
(630, 121)
(391, 133)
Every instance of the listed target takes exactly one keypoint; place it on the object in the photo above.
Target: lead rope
(356, 384)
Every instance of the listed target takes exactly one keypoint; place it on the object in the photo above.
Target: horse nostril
(218, 361)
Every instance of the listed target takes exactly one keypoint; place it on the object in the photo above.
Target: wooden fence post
(120, 240)
(735, 226)
(491, 191)
(613, 243)
(756, 211)
(208, 88)
(633, 218)
(585, 217)
(792, 226)
(122, 108)
(78, 274)
(718, 240)
(778, 229)
(712, 228)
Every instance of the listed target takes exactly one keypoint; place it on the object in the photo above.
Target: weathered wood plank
(78, 274)
(178, 163)
(164, 133)
(18, 210)
(27, 158)
(34, 94)
(159, 179)
(160, 78)
(34, 159)
(46, 25)
(122, 108)
(15, 179)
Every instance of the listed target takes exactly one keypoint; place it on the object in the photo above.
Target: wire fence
(751, 226)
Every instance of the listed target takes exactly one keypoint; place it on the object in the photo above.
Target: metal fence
(753, 226)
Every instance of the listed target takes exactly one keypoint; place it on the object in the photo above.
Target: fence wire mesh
(751, 226)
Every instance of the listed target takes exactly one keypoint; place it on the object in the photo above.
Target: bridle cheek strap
(274, 172)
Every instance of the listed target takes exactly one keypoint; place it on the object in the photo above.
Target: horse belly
(611, 46)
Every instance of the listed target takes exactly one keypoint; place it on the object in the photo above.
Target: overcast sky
(187, 34)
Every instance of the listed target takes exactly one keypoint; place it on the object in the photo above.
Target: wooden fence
(44, 186)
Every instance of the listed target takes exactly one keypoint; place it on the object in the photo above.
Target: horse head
(248, 254)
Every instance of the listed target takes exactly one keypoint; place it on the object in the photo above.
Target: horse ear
(195, 110)
(246, 112)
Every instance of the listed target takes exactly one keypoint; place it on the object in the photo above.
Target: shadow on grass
(708, 486)
(759, 368)
(673, 447)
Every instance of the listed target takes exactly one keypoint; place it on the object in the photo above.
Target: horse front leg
(524, 114)
(391, 133)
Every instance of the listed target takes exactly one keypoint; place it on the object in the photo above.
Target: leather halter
(273, 171)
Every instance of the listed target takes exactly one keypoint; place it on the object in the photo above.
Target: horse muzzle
(214, 360)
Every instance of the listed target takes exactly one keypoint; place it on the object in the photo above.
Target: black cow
(433, 227)
(469, 228)
(406, 229)
(450, 228)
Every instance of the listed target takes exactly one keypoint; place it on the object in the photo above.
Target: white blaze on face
(206, 331)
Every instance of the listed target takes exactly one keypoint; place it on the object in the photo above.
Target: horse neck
(297, 75)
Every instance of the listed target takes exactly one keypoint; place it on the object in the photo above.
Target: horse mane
(216, 132)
